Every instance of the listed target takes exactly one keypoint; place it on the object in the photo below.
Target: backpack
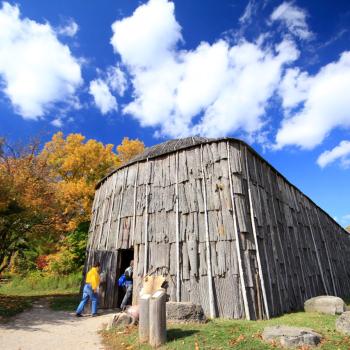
(128, 273)
(121, 280)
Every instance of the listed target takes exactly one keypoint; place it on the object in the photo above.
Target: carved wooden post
(144, 318)
(157, 319)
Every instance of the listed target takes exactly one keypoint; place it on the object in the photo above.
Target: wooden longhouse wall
(226, 229)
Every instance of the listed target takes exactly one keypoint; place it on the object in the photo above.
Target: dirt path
(45, 329)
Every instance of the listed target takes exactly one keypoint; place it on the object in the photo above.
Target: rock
(291, 337)
(184, 312)
(121, 319)
(342, 324)
(325, 304)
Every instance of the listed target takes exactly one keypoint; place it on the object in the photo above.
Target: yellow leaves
(129, 149)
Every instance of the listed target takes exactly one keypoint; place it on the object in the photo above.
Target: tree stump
(144, 303)
(157, 317)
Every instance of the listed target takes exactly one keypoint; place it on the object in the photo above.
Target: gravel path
(45, 329)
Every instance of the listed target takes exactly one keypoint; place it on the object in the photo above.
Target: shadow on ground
(178, 333)
(41, 314)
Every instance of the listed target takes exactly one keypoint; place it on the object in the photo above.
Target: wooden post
(238, 247)
(262, 283)
(157, 319)
(207, 244)
(134, 213)
(144, 303)
(178, 287)
(145, 262)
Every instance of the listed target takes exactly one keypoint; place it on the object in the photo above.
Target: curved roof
(174, 145)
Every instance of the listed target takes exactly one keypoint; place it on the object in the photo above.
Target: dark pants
(127, 296)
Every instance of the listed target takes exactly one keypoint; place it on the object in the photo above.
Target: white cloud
(340, 152)
(36, 69)
(294, 18)
(321, 103)
(249, 11)
(213, 90)
(116, 80)
(103, 98)
(57, 123)
(69, 29)
(148, 36)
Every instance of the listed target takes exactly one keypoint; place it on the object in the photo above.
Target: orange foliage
(129, 149)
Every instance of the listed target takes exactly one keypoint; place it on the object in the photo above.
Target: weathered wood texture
(289, 249)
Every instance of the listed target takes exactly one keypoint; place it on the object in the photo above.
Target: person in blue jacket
(128, 284)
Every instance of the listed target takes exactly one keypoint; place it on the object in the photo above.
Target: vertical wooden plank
(237, 240)
(145, 262)
(178, 286)
(261, 276)
(134, 211)
(209, 271)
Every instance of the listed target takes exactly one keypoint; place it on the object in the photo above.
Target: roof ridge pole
(134, 213)
(120, 207)
(111, 210)
(238, 247)
(327, 253)
(317, 254)
(145, 261)
(210, 276)
(262, 283)
(178, 287)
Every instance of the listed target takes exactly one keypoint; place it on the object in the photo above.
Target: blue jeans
(127, 296)
(88, 293)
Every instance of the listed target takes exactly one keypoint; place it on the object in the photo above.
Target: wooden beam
(317, 254)
(209, 270)
(111, 210)
(145, 256)
(261, 276)
(134, 213)
(178, 286)
(120, 207)
(327, 253)
(238, 246)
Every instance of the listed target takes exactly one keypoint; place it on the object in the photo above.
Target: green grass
(64, 302)
(231, 334)
(39, 284)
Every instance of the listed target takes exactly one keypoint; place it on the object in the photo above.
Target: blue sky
(274, 73)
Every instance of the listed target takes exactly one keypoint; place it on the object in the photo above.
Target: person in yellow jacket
(92, 283)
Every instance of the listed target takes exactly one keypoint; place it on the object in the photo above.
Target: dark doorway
(124, 258)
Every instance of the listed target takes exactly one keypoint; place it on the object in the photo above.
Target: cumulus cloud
(57, 122)
(36, 69)
(103, 97)
(116, 80)
(340, 152)
(213, 90)
(294, 18)
(69, 29)
(315, 104)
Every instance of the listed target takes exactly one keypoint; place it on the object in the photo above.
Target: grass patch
(231, 334)
(10, 306)
(37, 284)
(64, 302)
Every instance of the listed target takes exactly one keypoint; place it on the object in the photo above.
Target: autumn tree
(348, 228)
(75, 167)
(27, 204)
(128, 149)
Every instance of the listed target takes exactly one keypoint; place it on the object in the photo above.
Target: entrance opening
(124, 258)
